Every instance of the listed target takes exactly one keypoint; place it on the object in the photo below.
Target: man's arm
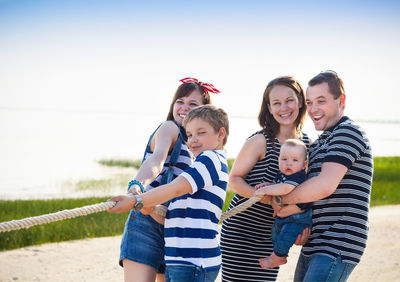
(317, 187)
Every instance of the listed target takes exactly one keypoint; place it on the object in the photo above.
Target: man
(339, 185)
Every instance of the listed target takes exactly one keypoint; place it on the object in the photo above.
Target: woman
(246, 236)
(142, 246)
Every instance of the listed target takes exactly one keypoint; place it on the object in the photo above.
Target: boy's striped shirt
(191, 224)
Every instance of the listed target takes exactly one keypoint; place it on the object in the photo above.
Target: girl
(142, 246)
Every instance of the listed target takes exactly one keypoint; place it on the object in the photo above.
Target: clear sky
(124, 55)
(89, 79)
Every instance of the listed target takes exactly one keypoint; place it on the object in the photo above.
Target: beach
(97, 259)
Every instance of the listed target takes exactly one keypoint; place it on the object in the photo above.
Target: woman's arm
(275, 189)
(253, 150)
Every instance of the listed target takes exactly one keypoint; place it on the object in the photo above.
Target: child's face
(291, 159)
(202, 136)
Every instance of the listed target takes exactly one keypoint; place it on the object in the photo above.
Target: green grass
(135, 163)
(385, 191)
(90, 226)
(386, 182)
(121, 163)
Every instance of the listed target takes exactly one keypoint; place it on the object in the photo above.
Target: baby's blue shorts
(143, 241)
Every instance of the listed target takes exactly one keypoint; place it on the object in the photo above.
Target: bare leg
(160, 277)
(272, 261)
(138, 272)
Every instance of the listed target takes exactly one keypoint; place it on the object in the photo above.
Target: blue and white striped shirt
(185, 159)
(191, 223)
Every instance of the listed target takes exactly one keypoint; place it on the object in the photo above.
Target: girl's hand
(147, 211)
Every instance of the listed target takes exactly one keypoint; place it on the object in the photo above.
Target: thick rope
(243, 206)
(61, 215)
(65, 214)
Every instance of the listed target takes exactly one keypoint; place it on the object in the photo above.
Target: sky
(122, 56)
(91, 79)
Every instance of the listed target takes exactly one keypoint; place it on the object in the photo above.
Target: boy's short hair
(297, 142)
(216, 117)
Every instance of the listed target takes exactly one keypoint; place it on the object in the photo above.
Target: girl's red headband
(208, 87)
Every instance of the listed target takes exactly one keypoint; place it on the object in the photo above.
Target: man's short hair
(335, 83)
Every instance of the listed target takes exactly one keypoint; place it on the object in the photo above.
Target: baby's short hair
(296, 142)
(216, 117)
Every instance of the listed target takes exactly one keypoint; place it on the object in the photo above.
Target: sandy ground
(96, 259)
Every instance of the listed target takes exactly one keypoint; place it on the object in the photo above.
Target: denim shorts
(285, 231)
(143, 241)
(181, 273)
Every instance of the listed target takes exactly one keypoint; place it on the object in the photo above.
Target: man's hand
(124, 203)
(302, 238)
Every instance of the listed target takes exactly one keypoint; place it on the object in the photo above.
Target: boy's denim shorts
(143, 241)
(185, 273)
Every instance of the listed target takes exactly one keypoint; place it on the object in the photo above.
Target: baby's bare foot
(272, 261)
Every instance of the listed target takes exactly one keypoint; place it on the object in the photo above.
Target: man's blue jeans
(322, 268)
(178, 273)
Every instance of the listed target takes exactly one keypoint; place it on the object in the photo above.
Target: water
(41, 151)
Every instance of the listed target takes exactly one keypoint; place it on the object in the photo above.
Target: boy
(197, 195)
(292, 166)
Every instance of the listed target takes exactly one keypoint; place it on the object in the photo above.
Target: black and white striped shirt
(340, 221)
(246, 236)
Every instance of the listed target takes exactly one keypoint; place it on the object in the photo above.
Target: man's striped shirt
(340, 221)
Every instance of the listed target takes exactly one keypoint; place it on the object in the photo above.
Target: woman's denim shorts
(143, 241)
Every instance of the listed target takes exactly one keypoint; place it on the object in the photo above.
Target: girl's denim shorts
(143, 241)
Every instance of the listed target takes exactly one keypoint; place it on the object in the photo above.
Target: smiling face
(185, 104)
(202, 136)
(292, 159)
(283, 105)
(322, 107)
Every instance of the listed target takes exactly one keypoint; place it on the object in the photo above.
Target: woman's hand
(275, 206)
(302, 238)
(261, 185)
(267, 198)
(261, 189)
(124, 203)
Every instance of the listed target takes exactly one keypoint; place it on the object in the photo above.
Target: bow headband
(208, 87)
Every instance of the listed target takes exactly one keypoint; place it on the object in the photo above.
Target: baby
(292, 165)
